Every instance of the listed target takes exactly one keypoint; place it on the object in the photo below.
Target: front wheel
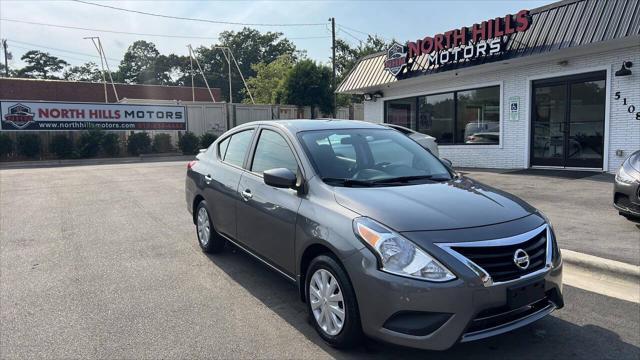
(331, 302)
(208, 238)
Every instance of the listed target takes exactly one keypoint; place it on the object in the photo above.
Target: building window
(401, 112)
(436, 114)
(459, 117)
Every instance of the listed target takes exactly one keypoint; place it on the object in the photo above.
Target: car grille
(498, 262)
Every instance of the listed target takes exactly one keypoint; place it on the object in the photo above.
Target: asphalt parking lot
(102, 262)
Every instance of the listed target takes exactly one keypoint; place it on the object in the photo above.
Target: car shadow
(549, 338)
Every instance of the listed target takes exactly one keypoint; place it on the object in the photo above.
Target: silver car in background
(426, 141)
(626, 189)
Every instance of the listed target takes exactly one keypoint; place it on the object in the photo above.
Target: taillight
(191, 164)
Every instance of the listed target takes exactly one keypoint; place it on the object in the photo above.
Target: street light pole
(333, 63)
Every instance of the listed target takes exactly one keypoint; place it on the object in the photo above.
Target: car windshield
(370, 157)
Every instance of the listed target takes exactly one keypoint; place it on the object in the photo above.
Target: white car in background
(426, 141)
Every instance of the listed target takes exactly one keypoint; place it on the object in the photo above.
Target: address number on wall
(630, 107)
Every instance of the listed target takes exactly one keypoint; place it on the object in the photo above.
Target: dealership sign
(464, 44)
(25, 115)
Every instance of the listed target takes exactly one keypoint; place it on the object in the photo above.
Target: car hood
(456, 204)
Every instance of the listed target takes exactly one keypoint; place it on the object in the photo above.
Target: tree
(249, 47)
(41, 65)
(309, 84)
(143, 64)
(268, 85)
(86, 72)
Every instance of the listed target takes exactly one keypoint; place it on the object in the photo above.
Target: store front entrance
(567, 121)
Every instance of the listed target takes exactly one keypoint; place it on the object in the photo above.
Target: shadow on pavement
(549, 338)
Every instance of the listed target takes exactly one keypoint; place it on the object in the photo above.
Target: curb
(602, 266)
(99, 161)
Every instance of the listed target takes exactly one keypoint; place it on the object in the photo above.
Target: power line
(56, 49)
(362, 32)
(140, 34)
(66, 56)
(348, 33)
(194, 19)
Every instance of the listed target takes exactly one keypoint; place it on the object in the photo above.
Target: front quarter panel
(323, 222)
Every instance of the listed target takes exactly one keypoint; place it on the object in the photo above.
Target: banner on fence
(26, 115)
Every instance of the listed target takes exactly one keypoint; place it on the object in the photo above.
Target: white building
(557, 86)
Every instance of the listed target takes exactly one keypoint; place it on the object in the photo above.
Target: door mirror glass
(280, 178)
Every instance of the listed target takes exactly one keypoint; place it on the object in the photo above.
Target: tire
(350, 333)
(210, 241)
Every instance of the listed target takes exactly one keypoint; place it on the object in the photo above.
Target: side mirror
(280, 178)
(447, 162)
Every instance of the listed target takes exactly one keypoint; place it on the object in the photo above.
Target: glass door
(567, 121)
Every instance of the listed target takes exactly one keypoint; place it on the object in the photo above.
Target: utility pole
(333, 63)
(6, 63)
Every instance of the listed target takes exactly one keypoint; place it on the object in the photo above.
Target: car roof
(298, 125)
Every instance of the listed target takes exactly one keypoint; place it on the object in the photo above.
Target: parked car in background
(426, 141)
(380, 237)
(626, 189)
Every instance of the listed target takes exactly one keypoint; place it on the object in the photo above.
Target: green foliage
(86, 72)
(89, 143)
(268, 85)
(189, 143)
(62, 146)
(309, 84)
(28, 145)
(207, 139)
(111, 144)
(249, 47)
(139, 143)
(162, 143)
(143, 64)
(6, 145)
(41, 65)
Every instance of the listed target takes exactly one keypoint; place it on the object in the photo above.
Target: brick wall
(624, 129)
(76, 91)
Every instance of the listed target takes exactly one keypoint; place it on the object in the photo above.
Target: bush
(138, 143)
(28, 145)
(162, 143)
(207, 139)
(189, 143)
(111, 144)
(89, 143)
(62, 146)
(6, 145)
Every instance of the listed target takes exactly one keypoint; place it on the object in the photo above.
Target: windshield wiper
(348, 182)
(404, 179)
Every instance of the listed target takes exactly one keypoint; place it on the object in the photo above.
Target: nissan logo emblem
(521, 259)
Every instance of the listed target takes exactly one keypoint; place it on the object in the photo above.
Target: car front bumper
(436, 316)
(626, 197)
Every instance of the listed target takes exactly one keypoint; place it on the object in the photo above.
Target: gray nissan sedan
(380, 236)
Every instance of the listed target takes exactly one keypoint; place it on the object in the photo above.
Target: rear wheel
(331, 302)
(208, 238)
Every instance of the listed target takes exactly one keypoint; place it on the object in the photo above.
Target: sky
(399, 20)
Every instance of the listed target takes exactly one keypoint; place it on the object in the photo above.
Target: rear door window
(237, 148)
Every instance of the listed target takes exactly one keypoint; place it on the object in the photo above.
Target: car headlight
(624, 177)
(556, 255)
(398, 255)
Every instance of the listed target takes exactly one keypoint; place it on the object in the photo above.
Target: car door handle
(208, 179)
(246, 195)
